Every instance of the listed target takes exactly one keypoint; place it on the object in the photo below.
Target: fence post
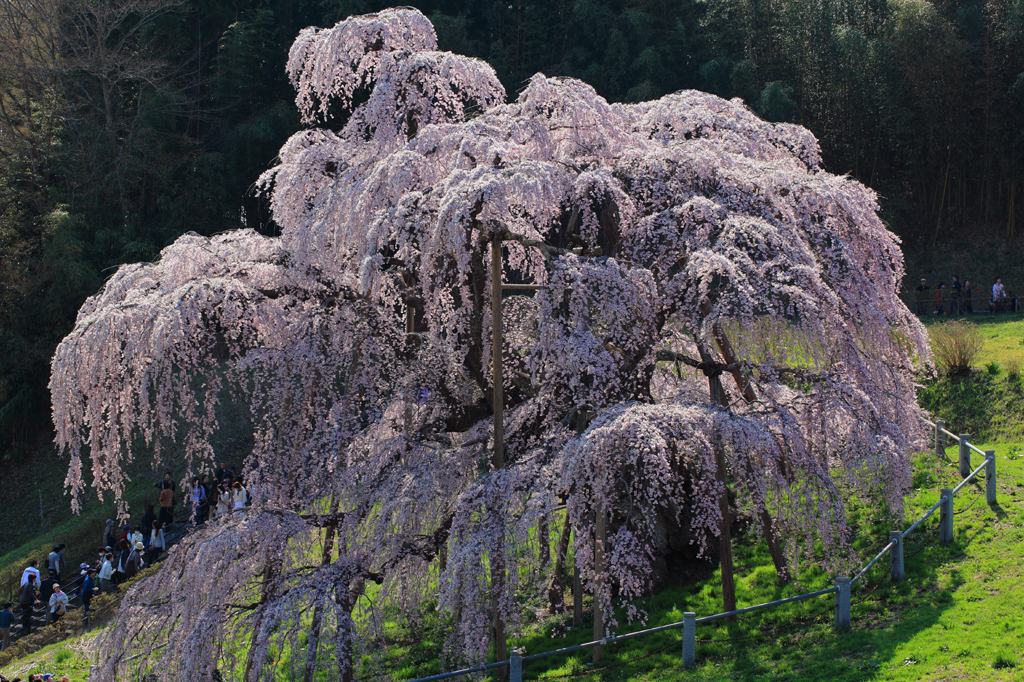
(843, 604)
(515, 667)
(940, 438)
(689, 639)
(965, 455)
(946, 515)
(990, 476)
(896, 556)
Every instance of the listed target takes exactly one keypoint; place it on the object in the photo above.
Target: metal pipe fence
(959, 305)
(842, 589)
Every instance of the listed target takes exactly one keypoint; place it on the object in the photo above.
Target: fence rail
(843, 585)
(956, 305)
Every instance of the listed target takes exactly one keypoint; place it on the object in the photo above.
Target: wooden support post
(990, 476)
(843, 604)
(689, 639)
(718, 397)
(965, 455)
(940, 438)
(498, 458)
(599, 540)
(515, 667)
(946, 515)
(896, 556)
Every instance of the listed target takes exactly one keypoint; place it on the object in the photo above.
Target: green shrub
(992, 368)
(956, 346)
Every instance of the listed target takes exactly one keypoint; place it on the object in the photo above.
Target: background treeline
(124, 123)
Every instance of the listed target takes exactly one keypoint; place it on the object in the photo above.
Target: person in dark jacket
(27, 599)
(6, 622)
(89, 589)
(110, 535)
(46, 589)
(147, 522)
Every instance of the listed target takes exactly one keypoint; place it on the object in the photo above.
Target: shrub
(1013, 367)
(956, 346)
(993, 368)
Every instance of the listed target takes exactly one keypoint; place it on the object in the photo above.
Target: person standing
(133, 564)
(31, 570)
(46, 591)
(58, 604)
(89, 590)
(197, 496)
(157, 543)
(53, 561)
(27, 599)
(136, 537)
(147, 522)
(239, 497)
(223, 500)
(166, 505)
(922, 297)
(110, 535)
(6, 621)
(107, 574)
(63, 559)
(966, 302)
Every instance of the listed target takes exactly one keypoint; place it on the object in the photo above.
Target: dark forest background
(125, 123)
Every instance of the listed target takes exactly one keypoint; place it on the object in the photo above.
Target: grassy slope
(959, 614)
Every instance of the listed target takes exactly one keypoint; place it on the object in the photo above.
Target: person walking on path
(110, 534)
(89, 590)
(223, 500)
(31, 570)
(240, 497)
(166, 505)
(157, 543)
(27, 599)
(133, 564)
(46, 591)
(6, 622)
(107, 575)
(63, 559)
(53, 561)
(58, 604)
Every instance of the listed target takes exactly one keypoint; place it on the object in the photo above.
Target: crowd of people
(208, 496)
(959, 298)
(125, 550)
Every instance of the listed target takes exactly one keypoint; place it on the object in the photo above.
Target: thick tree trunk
(556, 590)
(309, 668)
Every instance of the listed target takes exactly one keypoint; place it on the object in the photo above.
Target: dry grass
(956, 346)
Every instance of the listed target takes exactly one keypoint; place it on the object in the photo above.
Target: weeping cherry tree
(710, 332)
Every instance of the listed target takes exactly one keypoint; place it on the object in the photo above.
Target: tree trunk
(309, 668)
(556, 590)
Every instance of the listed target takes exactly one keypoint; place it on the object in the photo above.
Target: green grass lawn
(958, 615)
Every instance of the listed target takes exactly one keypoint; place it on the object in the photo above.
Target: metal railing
(957, 305)
(843, 585)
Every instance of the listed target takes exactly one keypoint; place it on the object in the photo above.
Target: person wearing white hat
(58, 604)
